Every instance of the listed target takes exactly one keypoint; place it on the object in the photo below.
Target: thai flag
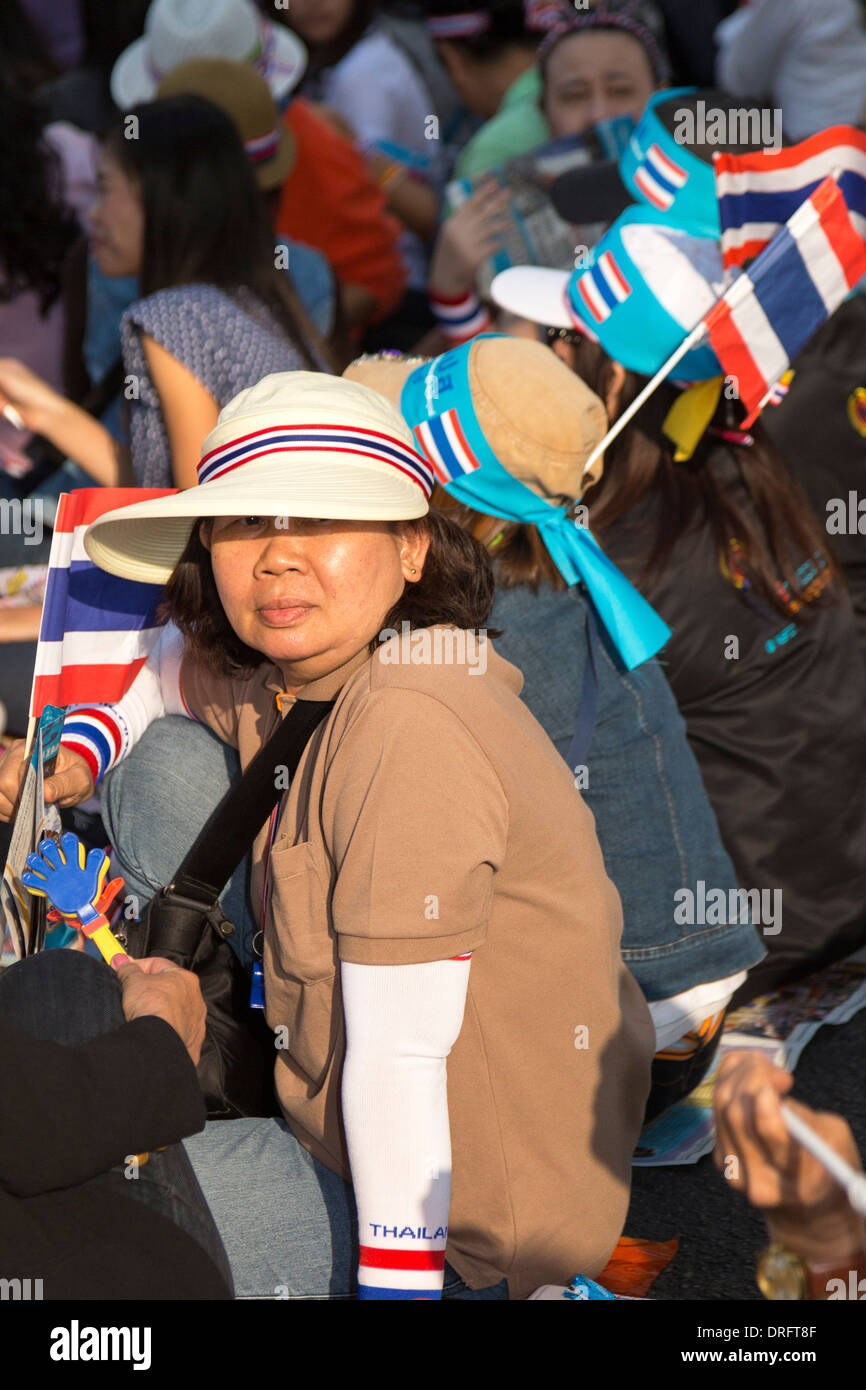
(602, 288)
(659, 178)
(444, 445)
(771, 311)
(97, 630)
(399, 1275)
(757, 193)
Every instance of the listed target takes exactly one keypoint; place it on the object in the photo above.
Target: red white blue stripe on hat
(602, 287)
(659, 178)
(466, 25)
(305, 439)
(445, 446)
(262, 147)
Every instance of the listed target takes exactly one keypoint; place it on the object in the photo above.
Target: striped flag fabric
(771, 311)
(385, 1272)
(659, 178)
(758, 193)
(97, 630)
(444, 445)
(603, 287)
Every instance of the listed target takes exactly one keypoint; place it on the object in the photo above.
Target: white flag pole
(854, 1183)
(619, 424)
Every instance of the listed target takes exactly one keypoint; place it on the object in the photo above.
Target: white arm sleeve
(401, 1023)
(103, 734)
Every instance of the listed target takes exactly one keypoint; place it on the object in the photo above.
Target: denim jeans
(289, 1224)
(67, 997)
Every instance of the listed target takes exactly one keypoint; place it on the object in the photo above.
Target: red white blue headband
(538, 15)
(329, 439)
(467, 25)
(262, 147)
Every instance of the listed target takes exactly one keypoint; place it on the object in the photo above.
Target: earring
(413, 571)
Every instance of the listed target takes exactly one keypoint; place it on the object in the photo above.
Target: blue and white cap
(661, 165)
(647, 285)
(659, 170)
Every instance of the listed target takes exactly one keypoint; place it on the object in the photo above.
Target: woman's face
(310, 594)
(117, 221)
(593, 76)
(320, 21)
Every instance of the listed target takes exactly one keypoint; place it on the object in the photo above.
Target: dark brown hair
(205, 220)
(770, 542)
(517, 550)
(456, 587)
(774, 535)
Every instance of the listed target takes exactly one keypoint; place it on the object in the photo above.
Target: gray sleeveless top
(229, 342)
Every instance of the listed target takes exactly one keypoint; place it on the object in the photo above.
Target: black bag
(185, 923)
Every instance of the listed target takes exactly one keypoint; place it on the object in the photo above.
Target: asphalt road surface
(720, 1235)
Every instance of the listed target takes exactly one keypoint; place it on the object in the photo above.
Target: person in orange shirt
(330, 200)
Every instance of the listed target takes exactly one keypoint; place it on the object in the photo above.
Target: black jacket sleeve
(68, 1113)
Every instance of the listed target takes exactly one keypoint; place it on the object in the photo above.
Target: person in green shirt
(489, 55)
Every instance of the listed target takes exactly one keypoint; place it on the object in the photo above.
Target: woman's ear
(204, 531)
(616, 381)
(414, 544)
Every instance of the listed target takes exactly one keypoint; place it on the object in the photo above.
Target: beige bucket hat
(541, 421)
(244, 96)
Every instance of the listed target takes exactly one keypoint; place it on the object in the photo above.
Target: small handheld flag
(97, 630)
(757, 193)
(772, 310)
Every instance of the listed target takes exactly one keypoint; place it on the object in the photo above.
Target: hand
(70, 783)
(805, 1209)
(70, 881)
(35, 401)
(156, 986)
(468, 237)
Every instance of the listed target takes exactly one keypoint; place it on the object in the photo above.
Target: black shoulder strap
(231, 829)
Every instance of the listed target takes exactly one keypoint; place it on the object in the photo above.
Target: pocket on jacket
(304, 948)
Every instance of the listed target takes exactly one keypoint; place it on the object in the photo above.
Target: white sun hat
(176, 31)
(295, 444)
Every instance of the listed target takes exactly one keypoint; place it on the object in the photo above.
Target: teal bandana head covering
(436, 403)
(648, 284)
(662, 171)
